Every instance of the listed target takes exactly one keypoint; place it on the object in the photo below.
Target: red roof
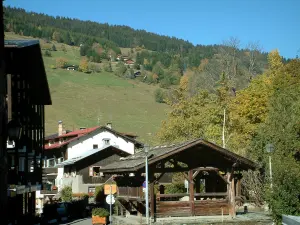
(79, 132)
(74, 135)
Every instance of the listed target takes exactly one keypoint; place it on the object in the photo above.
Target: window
(91, 189)
(95, 146)
(51, 162)
(106, 141)
(21, 164)
(95, 171)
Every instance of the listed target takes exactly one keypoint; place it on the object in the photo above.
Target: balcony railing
(130, 192)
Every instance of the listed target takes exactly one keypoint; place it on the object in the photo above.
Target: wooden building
(83, 173)
(218, 169)
(27, 94)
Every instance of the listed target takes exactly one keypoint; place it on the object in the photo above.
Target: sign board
(107, 189)
(186, 184)
(110, 199)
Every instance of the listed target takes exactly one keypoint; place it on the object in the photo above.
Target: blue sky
(274, 23)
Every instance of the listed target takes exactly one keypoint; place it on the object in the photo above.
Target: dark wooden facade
(27, 95)
(101, 159)
(197, 160)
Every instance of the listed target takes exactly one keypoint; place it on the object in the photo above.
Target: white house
(68, 145)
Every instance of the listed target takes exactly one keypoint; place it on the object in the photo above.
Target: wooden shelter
(200, 161)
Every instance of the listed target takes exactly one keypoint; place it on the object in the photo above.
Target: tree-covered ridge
(123, 36)
(161, 59)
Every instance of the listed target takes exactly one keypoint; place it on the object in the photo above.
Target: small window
(91, 190)
(96, 171)
(95, 146)
(106, 141)
(51, 162)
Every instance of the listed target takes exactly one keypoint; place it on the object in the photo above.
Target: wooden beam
(211, 194)
(152, 200)
(157, 178)
(223, 178)
(191, 191)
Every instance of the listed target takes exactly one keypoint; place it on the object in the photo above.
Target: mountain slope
(85, 100)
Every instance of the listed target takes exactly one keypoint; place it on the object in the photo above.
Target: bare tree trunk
(223, 132)
(255, 49)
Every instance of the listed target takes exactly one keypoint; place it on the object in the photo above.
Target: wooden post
(152, 199)
(238, 188)
(191, 191)
(231, 194)
(233, 198)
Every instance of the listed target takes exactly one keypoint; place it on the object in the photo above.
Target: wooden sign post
(107, 189)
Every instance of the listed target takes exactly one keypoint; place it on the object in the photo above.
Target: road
(87, 221)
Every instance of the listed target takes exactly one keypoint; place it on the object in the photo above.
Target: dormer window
(106, 141)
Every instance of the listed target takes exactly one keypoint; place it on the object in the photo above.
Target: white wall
(58, 180)
(76, 148)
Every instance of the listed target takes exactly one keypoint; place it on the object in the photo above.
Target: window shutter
(91, 171)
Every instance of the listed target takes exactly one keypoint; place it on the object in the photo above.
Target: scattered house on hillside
(71, 67)
(137, 74)
(129, 62)
(119, 57)
(70, 145)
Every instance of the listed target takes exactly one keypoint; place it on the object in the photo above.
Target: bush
(53, 67)
(48, 53)
(66, 194)
(101, 212)
(53, 47)
(107, 67)
(61, 62)
(159, 95)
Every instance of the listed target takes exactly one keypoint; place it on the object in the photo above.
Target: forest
(164, 59)
(266, 113)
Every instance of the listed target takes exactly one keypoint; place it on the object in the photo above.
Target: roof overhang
(233, 159)
(24, 58)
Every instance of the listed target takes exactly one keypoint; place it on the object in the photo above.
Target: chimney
(109, 125)
(60, 128)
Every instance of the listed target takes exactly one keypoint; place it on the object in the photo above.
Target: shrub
(66, 194)
(53, 47)
(107, 67)
(101, 212)
(53, 67)
(61, 62)
(48, 53)
(159, 95)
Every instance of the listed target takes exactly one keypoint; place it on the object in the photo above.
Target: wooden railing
(176, 197)
(130, 192)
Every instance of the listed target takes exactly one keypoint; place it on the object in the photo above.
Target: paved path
(87, 221)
